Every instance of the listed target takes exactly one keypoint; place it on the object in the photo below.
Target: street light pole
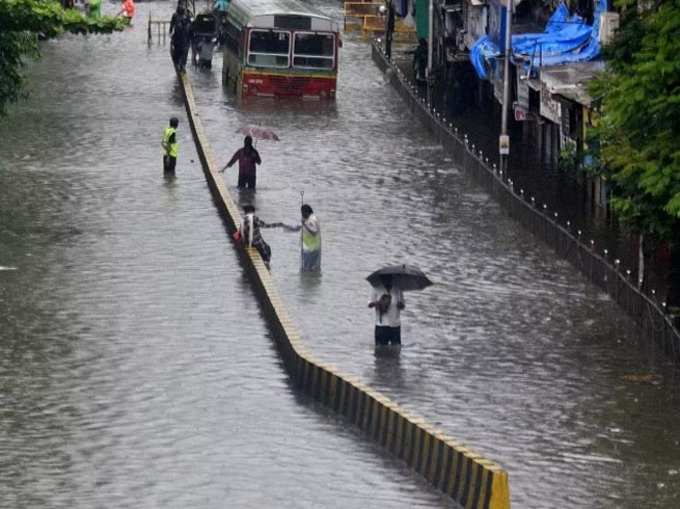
(504, 140)
(430, 39)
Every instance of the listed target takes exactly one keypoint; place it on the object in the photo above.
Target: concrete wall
(471, 480)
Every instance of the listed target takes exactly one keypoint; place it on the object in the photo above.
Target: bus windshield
(314, 50)
(269, 48)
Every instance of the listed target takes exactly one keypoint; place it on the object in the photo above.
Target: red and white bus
(280, 48)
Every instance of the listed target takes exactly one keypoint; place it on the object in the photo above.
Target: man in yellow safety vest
(170, 146)
(311, 240)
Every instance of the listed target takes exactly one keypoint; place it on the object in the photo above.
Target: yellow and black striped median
(471, 480)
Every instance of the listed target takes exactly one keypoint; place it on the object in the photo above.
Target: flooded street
(511, 352)
(135, 367)
(137, 371)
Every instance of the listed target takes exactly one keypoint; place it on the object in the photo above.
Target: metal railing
(540, 219)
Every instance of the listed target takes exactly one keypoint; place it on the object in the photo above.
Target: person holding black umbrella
(388, 300)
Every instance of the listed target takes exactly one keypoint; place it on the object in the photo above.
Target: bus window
(315, 51)
(269, 48)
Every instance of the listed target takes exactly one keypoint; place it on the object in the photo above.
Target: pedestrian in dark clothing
(247, 158)
(180, 28)
(389, 29)
(420, 61)
(179, 12)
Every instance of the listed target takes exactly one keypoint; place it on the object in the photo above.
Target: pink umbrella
(258, 133)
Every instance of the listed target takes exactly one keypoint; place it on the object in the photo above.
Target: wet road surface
(512, 351)
(135, 367)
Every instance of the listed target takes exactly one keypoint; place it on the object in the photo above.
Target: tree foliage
(640, 124)
(22, 23)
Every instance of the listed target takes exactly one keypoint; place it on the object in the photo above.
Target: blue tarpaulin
(566, 39)
(482, 53)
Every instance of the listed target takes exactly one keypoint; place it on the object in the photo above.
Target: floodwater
(135, 367)
(512, 351)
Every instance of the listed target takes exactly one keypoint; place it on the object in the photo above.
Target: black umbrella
(406, 277)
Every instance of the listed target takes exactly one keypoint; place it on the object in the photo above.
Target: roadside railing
(540, 219)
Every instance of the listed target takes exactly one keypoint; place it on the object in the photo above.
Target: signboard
(522, 91)
(504, 145)
(521, 113)
(550, 109)
(422, 18)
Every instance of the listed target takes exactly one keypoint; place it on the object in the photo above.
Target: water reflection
(135, 369)
(388, 371)
(310, 286)
(512, 351)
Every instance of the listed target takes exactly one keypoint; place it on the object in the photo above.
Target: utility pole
(504, 140)
(430, 39)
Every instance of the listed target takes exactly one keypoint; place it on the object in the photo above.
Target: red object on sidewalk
(129, 8)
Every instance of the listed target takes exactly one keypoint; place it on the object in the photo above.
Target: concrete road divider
(457, 471)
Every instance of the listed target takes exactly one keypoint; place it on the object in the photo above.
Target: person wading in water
(311, 240)
(171, 147)
(388, 300)
(248, 157)
(249, 233)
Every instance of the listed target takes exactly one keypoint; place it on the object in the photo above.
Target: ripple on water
(511, 351)
(135, 369)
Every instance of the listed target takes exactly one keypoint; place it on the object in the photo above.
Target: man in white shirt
(388, 300)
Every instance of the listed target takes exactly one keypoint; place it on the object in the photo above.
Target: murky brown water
(135, 367)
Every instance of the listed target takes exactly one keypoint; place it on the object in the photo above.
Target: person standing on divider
(181, 31)
(388, 300)
(311, 240)
(174, 20)
(170, 146)
(248, 157)
(250, 236)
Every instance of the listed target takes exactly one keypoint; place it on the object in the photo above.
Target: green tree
(22, 23)
(640, 123)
